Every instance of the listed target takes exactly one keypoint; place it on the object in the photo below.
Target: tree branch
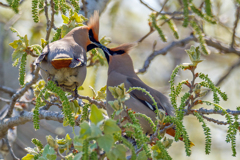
(235, 65)
(210, 42)
(147, 6)
(7, 90)
(10, 149)
(211, 111)
(20, 93)
(26, 116)
(164, 51)
(98, 103)
(235, 26)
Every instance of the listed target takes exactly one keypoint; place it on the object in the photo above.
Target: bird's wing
(141, 96)
(43, 54)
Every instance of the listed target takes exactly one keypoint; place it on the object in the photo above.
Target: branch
(214, 120)
(98, 103)
(235, 26)
(147, 6)
(50, 23)
(164, 51)
(20, 93)
(26, 116)
(10, 149)
(7, 90)
(211, 111)
(210, 42)
(235, 65)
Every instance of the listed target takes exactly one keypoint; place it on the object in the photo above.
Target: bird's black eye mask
(91, 37)
(119, 52)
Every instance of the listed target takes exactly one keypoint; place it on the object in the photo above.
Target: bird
(64, 61)
(121, 70)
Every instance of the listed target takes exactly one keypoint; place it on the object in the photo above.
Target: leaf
(43, 42)
(111, 127)
(15, 43)
(49, 153)
(78, 143)
(25, 39)
(142, 156)
(80, 88)
(85, 130)
(95, 131)
(118, 153)
(28, 157)
(93, 91)
(17, 54)
(106, 142)
(95, 115)
(65, 19)
(78, 156)
(101, 94)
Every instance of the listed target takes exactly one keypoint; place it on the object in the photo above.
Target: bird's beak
(102, 47)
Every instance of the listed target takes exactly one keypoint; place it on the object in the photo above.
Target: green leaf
(80, 88)
(28, 157)
(93, 91)
(118, 153)
(78, 156)
(17, 54)
(25, 39)
(78, 143)
(85, 130)
(65, 19)
(106, 142)
(95, 115)
(95, 131)
(111, 127)
(15, 43)
(142, 156)
(49, 153)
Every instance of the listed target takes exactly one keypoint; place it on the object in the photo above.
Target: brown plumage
(121, 71)
(64, 61)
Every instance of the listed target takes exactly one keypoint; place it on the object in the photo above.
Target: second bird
(121, 71)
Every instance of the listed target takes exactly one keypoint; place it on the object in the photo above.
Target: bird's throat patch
(61, 63)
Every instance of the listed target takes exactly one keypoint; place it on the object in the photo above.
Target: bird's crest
(93, 25)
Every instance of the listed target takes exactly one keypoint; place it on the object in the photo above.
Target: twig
(84, 8)
(235, 26)
(147, 6)
(214, 120)
(165, 2)
(166, 128)
(210, 42)
(50, 103)
(211, 111)
(26, 116)
(7, 90)
(98, 103)
(10, 149)
(163, 51)
(5, 100)
(149, 33)
(20, 93)
(235, 65)
(50, 23)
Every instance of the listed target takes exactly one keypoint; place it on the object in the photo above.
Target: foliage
(100, 137)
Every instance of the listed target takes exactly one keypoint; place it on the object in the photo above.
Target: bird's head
(122, 49)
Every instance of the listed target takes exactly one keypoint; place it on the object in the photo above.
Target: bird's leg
(75, 92)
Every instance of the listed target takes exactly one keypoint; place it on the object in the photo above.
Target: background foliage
(211, 24)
